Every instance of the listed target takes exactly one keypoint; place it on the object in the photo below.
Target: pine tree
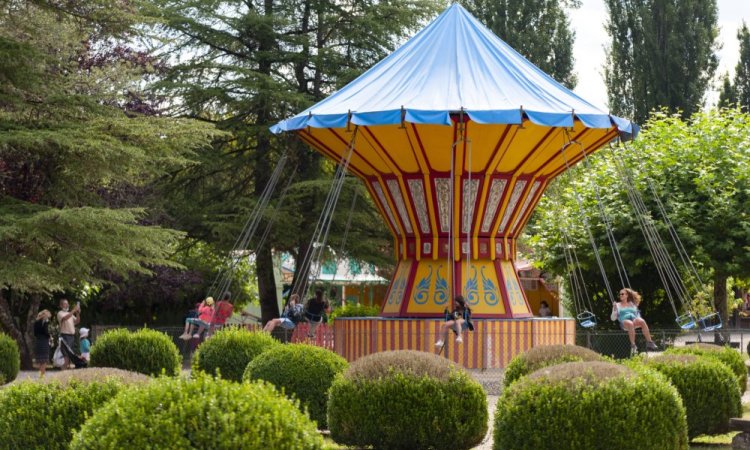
(662, 54)
(741, 83)
(727, 94)
(247, 65)
(70, 137)
(538, 29)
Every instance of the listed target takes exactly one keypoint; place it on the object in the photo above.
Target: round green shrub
(304, 371)
(45, 415)
(145, 351)
(10, 359)
(93, 374)
(708, 390)
(590, 404)
(407, 400)
(199, 413)
(546, 355)
(729, 356)
(230, 350)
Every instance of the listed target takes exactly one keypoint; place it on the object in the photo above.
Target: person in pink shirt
(205, 314)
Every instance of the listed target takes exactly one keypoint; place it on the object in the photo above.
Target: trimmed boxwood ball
(199, 413)
(10, 359)
(145, 351)
(546, 355)
(302, 371)
(591, 404)
(230, 350)
(407, 400)
(45, 415)
(708, 390)
(729, 356)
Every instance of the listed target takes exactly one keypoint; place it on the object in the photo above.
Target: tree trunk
(269, 306)
(720, 304)
(23, 335)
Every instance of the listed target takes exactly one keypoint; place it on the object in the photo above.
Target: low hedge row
(302, 371)
(405, 409)
(144, 351)
(199, 413)
(230, 350)
(580, 405)
(10, 359)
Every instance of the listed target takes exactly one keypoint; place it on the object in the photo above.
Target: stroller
(63, 350)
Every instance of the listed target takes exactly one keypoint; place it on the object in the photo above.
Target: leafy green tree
(246, 65)
(742, 70)
(727, 94)
(662, 54)
(699, 169)
(69, 141)
(538, 29)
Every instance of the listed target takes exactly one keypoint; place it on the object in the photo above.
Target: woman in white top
(626, 312)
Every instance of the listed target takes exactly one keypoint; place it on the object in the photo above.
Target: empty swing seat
(710, 322)
(686, 321)
(586, 319)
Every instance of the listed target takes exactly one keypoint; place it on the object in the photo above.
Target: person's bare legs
(42, 369)
(271, 324)
(640, 323)
(630, 328)
(443, 333)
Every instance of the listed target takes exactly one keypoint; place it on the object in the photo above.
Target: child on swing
(459, 321)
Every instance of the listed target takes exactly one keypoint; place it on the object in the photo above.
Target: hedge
(591, 404)
(10, 359)
(46, 415)
(230, 350)
(303, 371)
(732, 358)
(199, 413)
(546, 355)
(708, 389)
(404, 407)
(145, 351)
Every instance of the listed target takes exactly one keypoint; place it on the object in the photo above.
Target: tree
(68, 141)
(537, 29)
(699, 168)
(742, 70)
(245, 66)
(727, 94)
(662, 54)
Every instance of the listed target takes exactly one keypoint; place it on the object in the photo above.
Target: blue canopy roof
(454, 64)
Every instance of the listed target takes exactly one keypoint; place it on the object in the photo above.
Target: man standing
(67, 321)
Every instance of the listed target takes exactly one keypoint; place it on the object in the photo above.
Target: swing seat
(586, 319)
(710, 322)
(686, 321)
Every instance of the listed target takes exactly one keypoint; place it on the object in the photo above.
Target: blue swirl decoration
(397, 291)
(472, 288)
(423, 289)
(490, 290)
(513, 293)
(441, 289)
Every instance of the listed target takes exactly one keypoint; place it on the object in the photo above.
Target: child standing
(85, 344)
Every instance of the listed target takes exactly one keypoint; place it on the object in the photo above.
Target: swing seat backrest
(586, 319)
(686, 322)
(710, 322)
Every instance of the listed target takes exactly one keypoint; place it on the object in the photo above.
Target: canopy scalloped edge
(627, 129)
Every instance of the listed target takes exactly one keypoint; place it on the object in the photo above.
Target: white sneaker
(196, 336)
(459, 339)
(185, 336)
(439, 343)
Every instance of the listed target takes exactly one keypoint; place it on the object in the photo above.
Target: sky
(588, 22)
